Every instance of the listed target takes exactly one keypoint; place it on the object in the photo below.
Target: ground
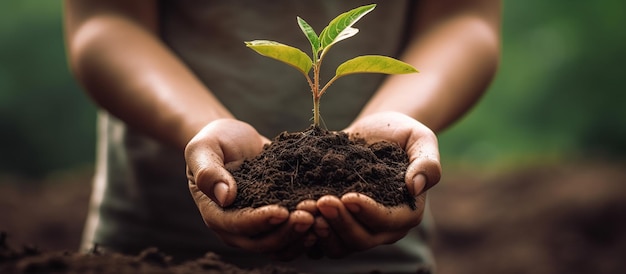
(552, 219)
(555, 218)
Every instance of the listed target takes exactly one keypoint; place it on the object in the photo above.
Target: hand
(355, 222)
(419, 142)
(268, 229)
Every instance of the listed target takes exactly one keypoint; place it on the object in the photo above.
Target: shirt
(140, 195)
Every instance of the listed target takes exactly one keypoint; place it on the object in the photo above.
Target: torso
(141, 196)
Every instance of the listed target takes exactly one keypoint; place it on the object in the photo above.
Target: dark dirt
(554, 218)
(32, 260)
(567, 217)
(316, 162)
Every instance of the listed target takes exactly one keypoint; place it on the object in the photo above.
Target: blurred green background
(559, 94)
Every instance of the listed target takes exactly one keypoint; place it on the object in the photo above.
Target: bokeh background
(560, 92)
(555, 112)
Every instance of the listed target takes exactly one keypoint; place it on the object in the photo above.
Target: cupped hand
(269, 229)
(355, 222)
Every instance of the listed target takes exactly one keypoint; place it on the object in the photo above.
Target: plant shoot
(337, 30)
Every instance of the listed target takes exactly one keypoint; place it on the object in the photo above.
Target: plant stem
(316, 93)
(316, 111)
(330, 82)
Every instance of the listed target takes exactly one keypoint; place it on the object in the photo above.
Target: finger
(205, 168)
(309, 206)
(216, 182)
(355, 233)
(203, 202)
(379, 218)
(302, 221)
(234, 139)
(424, 169)
(301, 238)
(275, 239)
(321, 228)
(249, 221)
(246, 221)
(328, 243)
(222, 142)
(344, 226)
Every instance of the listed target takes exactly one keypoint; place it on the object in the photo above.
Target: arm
(116, 54)
(455, 45)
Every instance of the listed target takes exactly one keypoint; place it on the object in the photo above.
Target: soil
(541, 219)
(32, 260)
(566, 217)
(316, 162)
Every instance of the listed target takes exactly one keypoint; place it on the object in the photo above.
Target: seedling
(337, 30)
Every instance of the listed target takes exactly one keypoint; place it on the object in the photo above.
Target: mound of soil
(317, 162)
(32, 260)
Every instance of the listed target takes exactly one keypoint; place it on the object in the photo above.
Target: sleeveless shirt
(140, 196)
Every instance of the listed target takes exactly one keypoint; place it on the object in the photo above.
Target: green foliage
(287, 54)
(337, 30)
(559, 90)
(374, 64)
(341, 28)
(46, 122)
(311, 35)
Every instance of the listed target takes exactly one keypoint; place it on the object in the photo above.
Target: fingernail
(220, 190)
(419, 182)
(353, 208)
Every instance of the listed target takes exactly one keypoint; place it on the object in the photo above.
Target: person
(179, 91)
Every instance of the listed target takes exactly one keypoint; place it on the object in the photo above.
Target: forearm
(457, 57)
(129, 72)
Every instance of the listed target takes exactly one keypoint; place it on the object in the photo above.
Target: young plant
(337, 30)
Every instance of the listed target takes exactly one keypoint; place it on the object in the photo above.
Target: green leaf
(310, 34)
(341, 28)
(374, 64)
(284, 53)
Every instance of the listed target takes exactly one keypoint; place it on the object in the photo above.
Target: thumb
(424, 169)
(206, 170)
(213, 180)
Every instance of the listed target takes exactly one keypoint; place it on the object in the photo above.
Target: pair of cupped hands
(330, 226)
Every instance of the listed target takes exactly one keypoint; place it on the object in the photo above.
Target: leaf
(284, 53)
(341, 28)
(310, 34)
(374, 64)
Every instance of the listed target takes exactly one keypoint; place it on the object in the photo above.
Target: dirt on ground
(556, 218)
(566, 218)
